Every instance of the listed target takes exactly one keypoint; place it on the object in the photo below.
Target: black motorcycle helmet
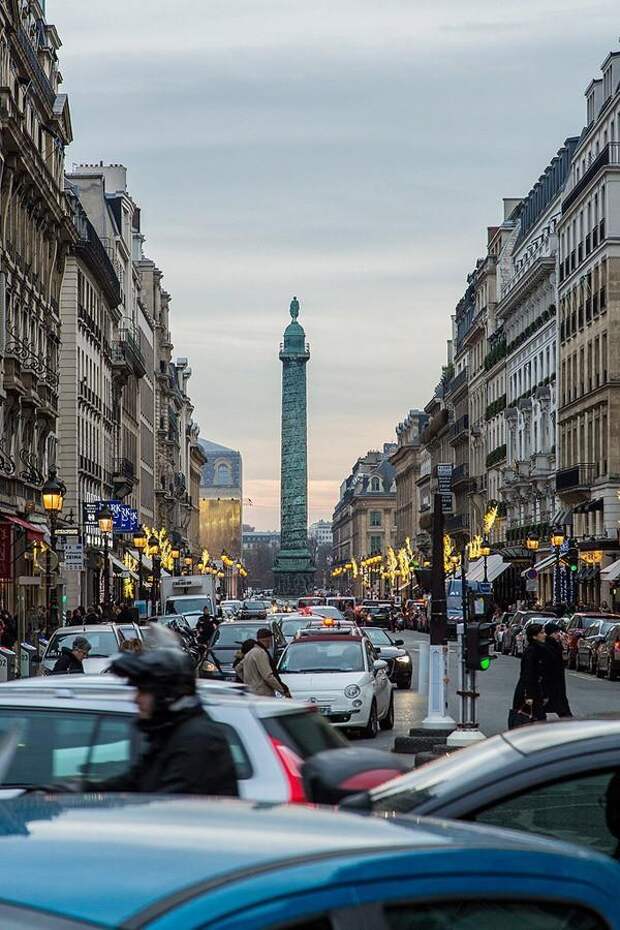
(166, 673)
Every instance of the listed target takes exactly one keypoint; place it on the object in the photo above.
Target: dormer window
(590, 108)
(607, 83)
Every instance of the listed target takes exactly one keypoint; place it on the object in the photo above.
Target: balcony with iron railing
(126, 352)
(577, 478)
(456, 382)
(609, 155)
(459, 429)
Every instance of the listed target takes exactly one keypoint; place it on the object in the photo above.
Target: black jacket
(556, 680)
(67, 664)
(187, 754)
(534, 679)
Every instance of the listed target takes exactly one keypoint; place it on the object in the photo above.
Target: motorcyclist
(186, 752)
(205, 628)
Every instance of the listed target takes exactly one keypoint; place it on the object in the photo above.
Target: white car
(105, 641)
(339, 672)
(328, 611)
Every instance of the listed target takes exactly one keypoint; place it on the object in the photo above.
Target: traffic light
(477, 647)
(572, 559)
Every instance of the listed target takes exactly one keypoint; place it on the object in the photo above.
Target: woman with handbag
(528, 703)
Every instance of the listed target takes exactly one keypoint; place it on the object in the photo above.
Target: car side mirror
(379, 664)
(399, 642)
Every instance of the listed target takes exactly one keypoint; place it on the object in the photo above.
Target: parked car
(154, 862)
(608, 659)
(398, 659)
(105, 641)
(588, 646)
(340, 672)
(517, 622)
(559, 779)
(519, 641)
(227, 641)
(576, 628)
(75, 726)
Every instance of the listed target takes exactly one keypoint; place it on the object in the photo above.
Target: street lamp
(139, 542)
(175, 555)
(106, 525)
(188, 561)
(485, 552)
(53, 495)
(532, 542)
(154, 551)
(557, 541)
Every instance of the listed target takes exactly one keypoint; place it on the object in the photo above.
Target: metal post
(556, 578)
(437, 716)
(106, 572)
(154, 586)
(486, 577)
(52, 589)
(468, 730)
(139, 574)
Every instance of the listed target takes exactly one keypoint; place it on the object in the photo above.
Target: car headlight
(351, 691)
(209, 667)
(404, 659)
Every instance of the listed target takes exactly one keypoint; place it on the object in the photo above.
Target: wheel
(388, 721)
(611, 674)
(372, 727)
(405, 685)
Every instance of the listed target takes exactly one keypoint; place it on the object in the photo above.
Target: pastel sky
(351, 152)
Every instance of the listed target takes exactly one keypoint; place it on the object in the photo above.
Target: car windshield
(254, 605)
(435, 779)
(235, 634)
(328, 612)
(378, 637)
(189, 605)
(290, 627)
(103, 643)
(333, 656)
(583, 623)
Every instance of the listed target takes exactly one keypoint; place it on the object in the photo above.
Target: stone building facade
(406, 473)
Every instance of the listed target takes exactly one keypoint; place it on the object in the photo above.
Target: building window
(374, 485)
(223, 474)
(375, 518)
(375, 544)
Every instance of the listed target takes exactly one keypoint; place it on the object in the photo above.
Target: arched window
(222, 474)
(374, 485)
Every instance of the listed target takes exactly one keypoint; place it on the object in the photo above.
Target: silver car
(73, 726)
(105, 641)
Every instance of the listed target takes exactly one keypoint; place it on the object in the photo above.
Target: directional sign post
(444, 487)
(74, 557)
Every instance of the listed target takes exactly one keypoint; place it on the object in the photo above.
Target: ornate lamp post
(557, 541)
(188, 562)
(106, 526)
(139, 541)
(485, 552)
(154, 550)
(175, 555)
(53, 494)
(533, 542)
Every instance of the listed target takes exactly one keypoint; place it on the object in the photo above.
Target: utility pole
(437, 717)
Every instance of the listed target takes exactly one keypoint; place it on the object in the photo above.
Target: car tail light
(617, 646)
(291, 766)
(364, 781)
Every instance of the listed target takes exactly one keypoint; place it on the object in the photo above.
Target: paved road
(587, 695)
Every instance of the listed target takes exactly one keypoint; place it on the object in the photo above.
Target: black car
(608, 662)
(228, 640)
(377, 615)
(559, 779)
(398, 659)
(253, 610)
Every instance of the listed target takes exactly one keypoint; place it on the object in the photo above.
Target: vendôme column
(294, 569)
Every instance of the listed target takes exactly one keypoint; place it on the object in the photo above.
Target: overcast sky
(351, 152)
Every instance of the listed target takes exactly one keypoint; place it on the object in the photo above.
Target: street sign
(531, 574)
(531, 585)
(68, 531)
(444, 486)
(74, 557)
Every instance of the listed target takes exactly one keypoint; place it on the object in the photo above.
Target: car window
(235, 634)
(489, 915)
(290, 627)
(329, 656)
(243, 766)
(378, 637)
(580, 809)
(613, 633)
(54, 745)
(114, 748)
(102, 643)
(306, 733)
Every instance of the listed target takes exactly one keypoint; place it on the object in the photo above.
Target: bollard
(423, 654)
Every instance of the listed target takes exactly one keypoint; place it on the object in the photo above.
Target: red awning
(33, 532)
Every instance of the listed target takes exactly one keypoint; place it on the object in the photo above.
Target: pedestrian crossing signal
(478, 646)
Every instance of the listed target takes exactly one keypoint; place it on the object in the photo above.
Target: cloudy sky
(351, 152)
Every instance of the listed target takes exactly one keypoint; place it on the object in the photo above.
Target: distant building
(221, 496)
(321, 531)
(253, 538)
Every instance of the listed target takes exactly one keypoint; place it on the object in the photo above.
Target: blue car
(179, 863)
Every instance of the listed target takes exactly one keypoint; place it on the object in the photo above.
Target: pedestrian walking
(555, 683)
(531, 690)
(258, 671)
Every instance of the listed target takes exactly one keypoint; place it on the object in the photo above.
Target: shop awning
(120, 568)
(563, 517)
(587, 573)
(35, 532)
(612, 572)
(147, 563)
(495, 567)
(544, 566)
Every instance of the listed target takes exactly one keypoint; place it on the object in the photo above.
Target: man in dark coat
(532, 687)
(186, 753)
(556, 679)
(70, 661)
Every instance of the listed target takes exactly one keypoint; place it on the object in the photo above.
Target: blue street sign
(125, 518)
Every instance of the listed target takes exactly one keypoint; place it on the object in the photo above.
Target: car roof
(88, 628)
(343, 636)
(599, 614)
(528, 740)
(186, 847)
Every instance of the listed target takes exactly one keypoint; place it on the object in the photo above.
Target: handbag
(519, 718)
